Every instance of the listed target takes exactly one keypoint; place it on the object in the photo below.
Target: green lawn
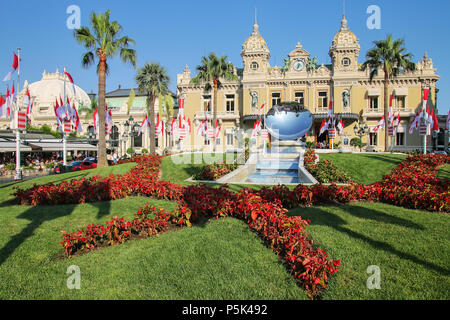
(411, 247)
(365, 168)
(222, 259)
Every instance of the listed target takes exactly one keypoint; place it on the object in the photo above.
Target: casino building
(302, 80)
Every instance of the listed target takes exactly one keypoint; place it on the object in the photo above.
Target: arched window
(137, 140)
(114, 137)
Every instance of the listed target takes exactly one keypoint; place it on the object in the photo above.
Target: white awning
(371, 92)
(54, 147)
(10, 146)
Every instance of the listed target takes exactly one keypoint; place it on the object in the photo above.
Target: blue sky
(176, 33)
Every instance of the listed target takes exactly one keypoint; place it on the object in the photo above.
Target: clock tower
(344, 50)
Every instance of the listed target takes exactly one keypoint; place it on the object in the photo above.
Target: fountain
(283, 162)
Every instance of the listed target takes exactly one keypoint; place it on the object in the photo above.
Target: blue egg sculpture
(288, 122)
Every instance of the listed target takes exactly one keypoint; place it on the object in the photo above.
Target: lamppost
(361, 129)
(129, 131)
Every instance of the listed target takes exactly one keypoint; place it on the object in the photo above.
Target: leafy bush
(324, 171)
(10, 166)
(130, 151)
(213, 172)
(144, 151)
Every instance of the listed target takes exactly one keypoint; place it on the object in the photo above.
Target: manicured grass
(411, 247)
(222, 259)
(365, 168)
(444, 172)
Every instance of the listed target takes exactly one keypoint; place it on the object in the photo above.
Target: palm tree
(388, 55)
(152, 79)
(104, 42)
(211, 70)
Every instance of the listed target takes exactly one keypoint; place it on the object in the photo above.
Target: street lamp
(361, 129)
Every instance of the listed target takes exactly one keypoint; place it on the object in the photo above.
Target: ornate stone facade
(303, 80)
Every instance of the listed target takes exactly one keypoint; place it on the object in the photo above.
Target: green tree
(211, 71)
(152, 79)
(388, 55)
(88, 111)
(105, 42)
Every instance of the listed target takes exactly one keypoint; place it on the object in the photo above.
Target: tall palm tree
(104, 42)
(152, 79)
(210, 72)
(388, 55)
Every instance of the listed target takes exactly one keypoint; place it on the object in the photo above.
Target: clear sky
(176, 33)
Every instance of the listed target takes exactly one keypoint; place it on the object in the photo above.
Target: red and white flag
(391, 113)
(27, 103)
(415, 123)
(60, 110)
(95, 119)
(435, 124)
(330, 109)
(323, 127)
(379, 125)
(218, 129)
(71, 81)
(261, 110)
(180, 107)
(397, 120)
(3, 106)
(144, 126)
(189, 125)
(78, 126)
(340, 127)
(108, 121)
(13, 69)
(202, 128)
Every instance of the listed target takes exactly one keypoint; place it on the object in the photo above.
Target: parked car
(60, 168)
(87, 165)
(76, 165)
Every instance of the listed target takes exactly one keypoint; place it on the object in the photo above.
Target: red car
(85, 165)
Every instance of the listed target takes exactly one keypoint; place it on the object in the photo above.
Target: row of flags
(330, 124)
(425, 117)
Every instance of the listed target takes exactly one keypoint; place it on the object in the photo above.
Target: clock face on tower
(299, 64)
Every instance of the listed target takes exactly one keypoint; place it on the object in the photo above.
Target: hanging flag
(78, 126)
(71, 81)
(13, 69)
(180, 107)
(435, 124)
(27, 102)
(218, 129)
(447, 124)
(108, 121)
(323, 127)
(60, 110)
(181, 129)
(144, 125)
(340, 127)
(379, 125)
(391, 113)
(95, 119)
(261, 109)
(3, 106)
(189, 125)
(330, 109)
(414, 124)
(430, 119)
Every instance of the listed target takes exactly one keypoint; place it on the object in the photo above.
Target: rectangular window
(230, 139)
(401, 102)
(156, 142)
(206, 101)
(323, 99)
(400, 139)
(373, 102)
(373, 139)
(299, 97)
(229, 99)
(276, 99)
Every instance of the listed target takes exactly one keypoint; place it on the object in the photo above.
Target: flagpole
(64, 127)
(18, 167)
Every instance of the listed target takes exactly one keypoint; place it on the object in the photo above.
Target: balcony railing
(220, 115)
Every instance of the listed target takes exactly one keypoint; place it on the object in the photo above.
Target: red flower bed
(412, 184)
(212, 172)
(140, 180)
